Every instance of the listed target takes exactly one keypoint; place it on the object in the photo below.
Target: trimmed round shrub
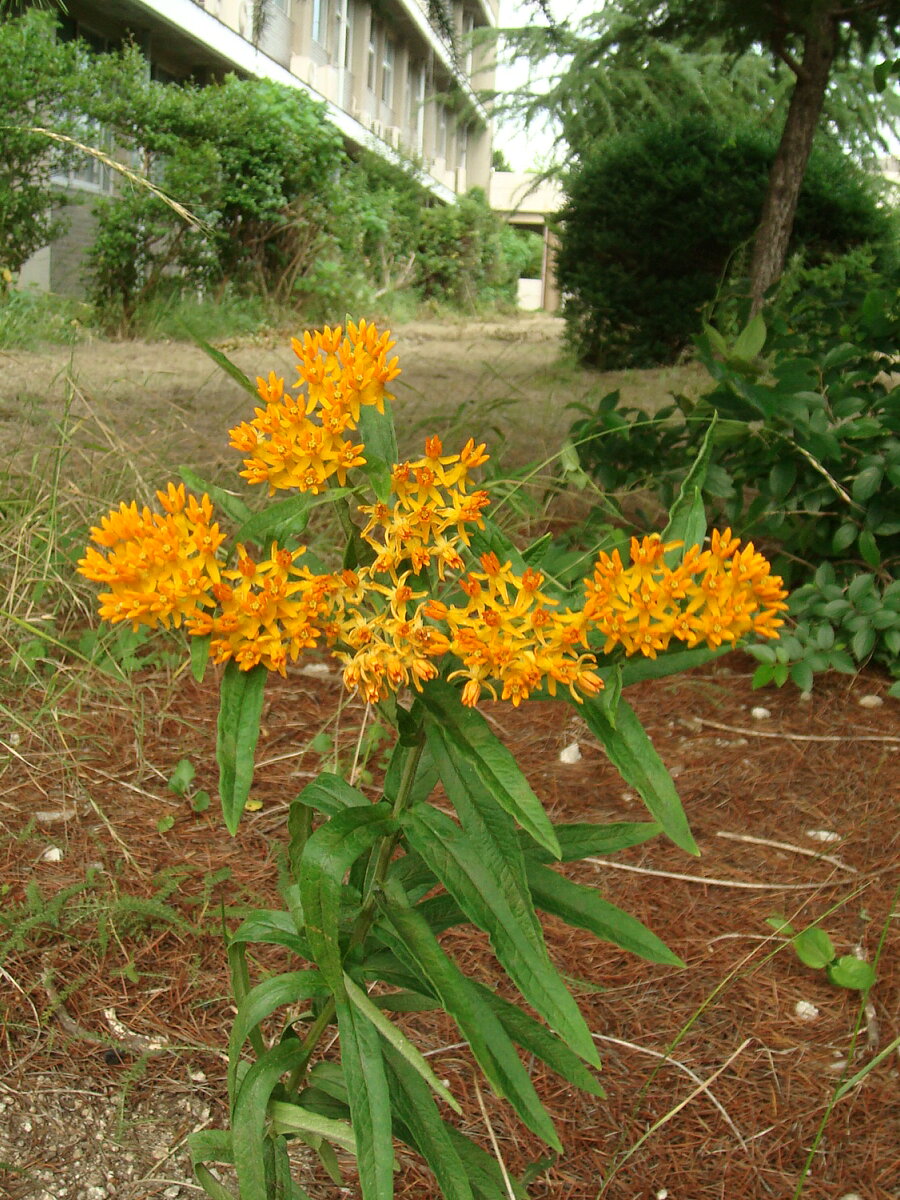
(657, 218)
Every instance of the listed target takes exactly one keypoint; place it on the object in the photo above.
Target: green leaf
(211, 1145)
(478, 885)
(863, 643)
(164, 824)
(231, 369)
(370, 1102)
(294, 1118)
(330, 794)
(232, 506)
(612, 693)
(250, 1114)
(488, 1182)
(814, 947)
(327, 856)
(376, 431)
(181, 778)
(782, 477)
(673, 662)
(582, 838)
(584, 907)
(851, 972)
(292, 987)
(868, 548)
(240, 709)
(200, 801)
(271, 927)
(536, 1039)
(280, 520)
(867, 483)
(802, 676)
(396, 1038)
(751, 339)
(414, 1105)
(687, 517)
(463, 735)
(844, 536)
(199, 657)
(486, 1036)
(634, 756)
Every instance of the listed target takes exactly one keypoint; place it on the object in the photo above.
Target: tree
(812, 38)
(36, 74)
(642, 57)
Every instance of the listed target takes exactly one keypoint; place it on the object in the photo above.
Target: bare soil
(113, 989)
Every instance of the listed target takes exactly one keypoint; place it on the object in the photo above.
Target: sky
(527, 151)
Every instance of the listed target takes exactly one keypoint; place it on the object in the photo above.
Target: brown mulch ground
(86, 1114)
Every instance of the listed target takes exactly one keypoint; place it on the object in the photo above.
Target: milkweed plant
(431, 610)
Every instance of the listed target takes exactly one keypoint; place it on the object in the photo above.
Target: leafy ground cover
(116, 874)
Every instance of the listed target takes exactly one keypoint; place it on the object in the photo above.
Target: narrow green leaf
(498, 910)
(536, 1039)
(261, 1001)
(370, 1102)
(199, 657)
(484, 1173)
(612, 693)
(634, 756)
(396, 1038)
(327, 856)
(376, 431)
(232, 506)
(673, 662)
(240, 709)
(231, 369)
(584, 907)
(466, 735)
(490, 1043)
(582, 838)
(294, 1118)
(271, 927)
(687, 518)
(211, 1145)
(250, 1114)
(414, 1105)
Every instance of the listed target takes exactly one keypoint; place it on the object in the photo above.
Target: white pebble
(805, 697)
(52, 854)
(822, 835)
(805, 1011)
(850, 1196)
(760, 714)
(570, 754)
(870, 701)
(662, 1194)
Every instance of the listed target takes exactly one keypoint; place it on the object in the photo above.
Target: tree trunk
(789, 167)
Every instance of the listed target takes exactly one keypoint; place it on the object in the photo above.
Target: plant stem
(366, 913)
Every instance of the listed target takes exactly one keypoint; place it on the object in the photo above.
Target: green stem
(366, 913)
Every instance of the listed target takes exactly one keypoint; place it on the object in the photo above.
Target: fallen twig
(757, 841)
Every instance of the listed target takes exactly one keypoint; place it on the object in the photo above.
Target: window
(320, 21)
(387, 72)
(440, 147)
(468, 28)
(342, 32)
(372, 54)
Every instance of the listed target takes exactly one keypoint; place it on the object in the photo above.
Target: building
(530, 202)
(392, 80)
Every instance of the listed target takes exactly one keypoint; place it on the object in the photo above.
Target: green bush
(655, 220)
(806, 459)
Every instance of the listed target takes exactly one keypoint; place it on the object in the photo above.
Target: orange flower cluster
(285, 446)
(506, 632)
(159, 568)
(428, 521)
(711, 596)
(499, 630)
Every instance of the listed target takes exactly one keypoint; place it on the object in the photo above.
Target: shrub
(805, 456)
(656, 218)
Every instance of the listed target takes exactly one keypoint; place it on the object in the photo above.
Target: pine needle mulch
(116, 1004)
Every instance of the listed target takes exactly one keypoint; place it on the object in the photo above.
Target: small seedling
(815, 949)
(180, 782)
